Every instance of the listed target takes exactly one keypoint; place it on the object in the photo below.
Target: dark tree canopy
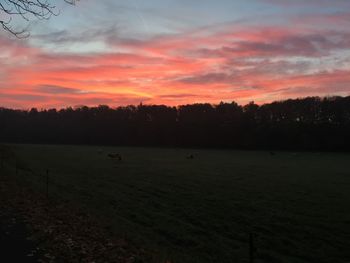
(302, 124)
(26, 10)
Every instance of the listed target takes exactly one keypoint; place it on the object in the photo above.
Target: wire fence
(46, 184)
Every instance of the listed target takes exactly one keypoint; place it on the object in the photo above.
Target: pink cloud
(260, 63)
(327, 3)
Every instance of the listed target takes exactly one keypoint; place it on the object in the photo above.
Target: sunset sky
(178, 51)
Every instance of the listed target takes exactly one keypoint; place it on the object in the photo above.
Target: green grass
(202, 210)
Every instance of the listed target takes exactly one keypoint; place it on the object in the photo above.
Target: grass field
(202, 210)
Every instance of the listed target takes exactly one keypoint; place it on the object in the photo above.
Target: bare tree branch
(27, 10)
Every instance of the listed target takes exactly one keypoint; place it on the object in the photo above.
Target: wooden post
(16, 167)
(252, 248)
(2, 161)
(47, 183)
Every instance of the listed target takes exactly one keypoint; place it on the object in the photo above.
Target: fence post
(252, 249)
(1, 160)
(16, 167)
(47, 183)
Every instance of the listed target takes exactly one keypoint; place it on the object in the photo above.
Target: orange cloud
(236, 63)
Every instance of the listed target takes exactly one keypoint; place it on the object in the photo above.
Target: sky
(176, 52)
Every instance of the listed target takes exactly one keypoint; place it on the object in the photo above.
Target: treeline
(311, 123)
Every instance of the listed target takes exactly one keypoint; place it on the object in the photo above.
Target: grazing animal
(115, 156)
(190, 157)
(272, 153)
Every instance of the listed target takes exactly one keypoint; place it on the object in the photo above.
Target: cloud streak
(234, 62)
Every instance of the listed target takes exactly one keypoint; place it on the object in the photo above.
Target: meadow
(296, 205)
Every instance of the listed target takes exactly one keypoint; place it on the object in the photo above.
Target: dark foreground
(36, 229)
(14, 243)
(203, 209)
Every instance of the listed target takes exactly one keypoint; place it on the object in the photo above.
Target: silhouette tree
(26, 10)
(311, 123)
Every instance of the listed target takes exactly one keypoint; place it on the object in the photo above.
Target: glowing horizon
(179, 52)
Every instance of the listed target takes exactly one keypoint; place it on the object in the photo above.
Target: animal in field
(115, 156)
(272, 153)
(190, 157)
